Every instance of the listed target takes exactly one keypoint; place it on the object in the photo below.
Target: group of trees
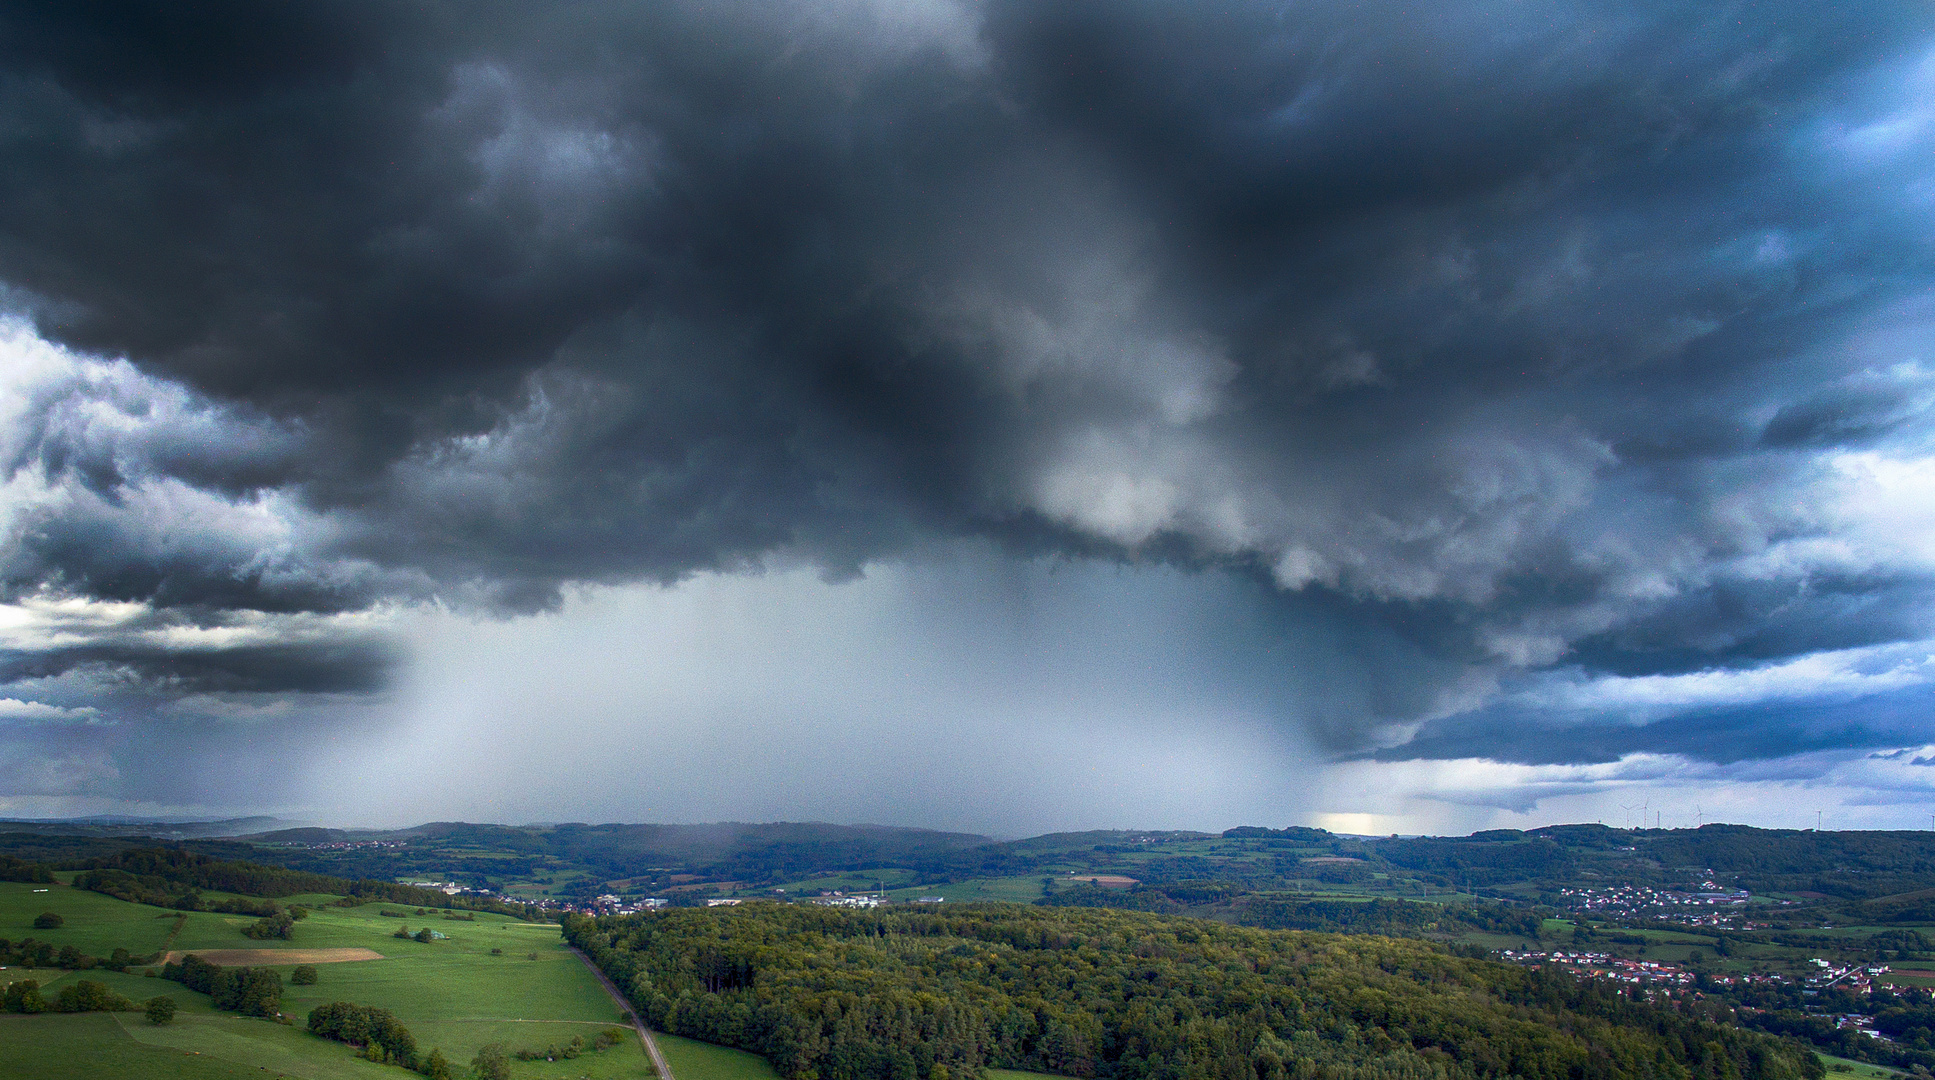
(85, 995)
(174, 877)
(900, 995)
(249, 991)
(28, 953)
(1277, 912)
(378, 1035)
(12, 869)
(23, 996)
(376, 1030)
(567, 1051)
(281, 924)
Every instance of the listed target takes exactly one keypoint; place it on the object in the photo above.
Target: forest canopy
(828, 994)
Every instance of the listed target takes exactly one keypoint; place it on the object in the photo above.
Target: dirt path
(644, 1036)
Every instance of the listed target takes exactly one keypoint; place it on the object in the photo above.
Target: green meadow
(691, 1059)
(93, 1045)
(454, 994)
(95, 924)
(1856, 1070)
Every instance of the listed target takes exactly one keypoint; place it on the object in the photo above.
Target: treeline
(1388, 917)
(173, 878)
(377, 1033)
(12, 869)
(900, 995)
(1231, 903)
(1166, 899)
(184, 867)
(84, 995)
(249, 991)
(279, 925)
(163, 892)
(28, 953)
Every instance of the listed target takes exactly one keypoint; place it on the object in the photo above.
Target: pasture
(93, 1045)
(454, 994)
(95, 924)
(1857, 1070)
(691, 1059)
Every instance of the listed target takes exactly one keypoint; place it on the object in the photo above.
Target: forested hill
(732, 850)
(173, 877)
(898, 994)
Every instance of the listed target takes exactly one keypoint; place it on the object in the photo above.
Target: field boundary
(272, 957)
(644, 1036)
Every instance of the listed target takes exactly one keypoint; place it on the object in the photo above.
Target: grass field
(453, 994)
(91, 1046)
(1857, 1070)
(95, 924)
(691, 1059)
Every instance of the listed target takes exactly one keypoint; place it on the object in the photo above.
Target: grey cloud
(1510, 338)
(1722, 736)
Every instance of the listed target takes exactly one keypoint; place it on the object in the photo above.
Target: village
(1631, 900)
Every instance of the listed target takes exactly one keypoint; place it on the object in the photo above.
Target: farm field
(454, 994)
(95, 924)
(691, 1059)
(93, 1045)
(1857, 1070)
(853, 881)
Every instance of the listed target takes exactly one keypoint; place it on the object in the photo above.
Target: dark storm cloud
(1720, 736)
(1519, 335)
(330, 668)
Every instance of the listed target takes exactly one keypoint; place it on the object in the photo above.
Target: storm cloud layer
(1531, 385)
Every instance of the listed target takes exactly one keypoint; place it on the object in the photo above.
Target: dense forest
(828, 994)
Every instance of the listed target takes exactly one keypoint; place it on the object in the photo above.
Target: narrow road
(644, 1036)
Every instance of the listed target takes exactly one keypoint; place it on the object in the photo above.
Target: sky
(1003, 417)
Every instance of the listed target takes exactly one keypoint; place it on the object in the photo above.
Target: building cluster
(1710, 920)
(448, 888)
(1854, 978)
(1628, 900)
(1863, 1024)
(855, 901)
(1597, 965)
(613, 904)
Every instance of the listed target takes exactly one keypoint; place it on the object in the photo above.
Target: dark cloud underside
(1515, 336)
